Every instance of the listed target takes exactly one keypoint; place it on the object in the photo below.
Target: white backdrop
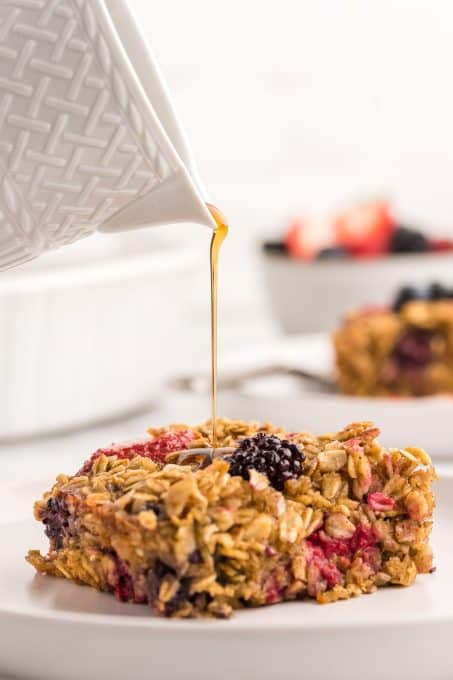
(293, 105)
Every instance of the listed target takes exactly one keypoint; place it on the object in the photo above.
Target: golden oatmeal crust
(228, 431)
(200, 542)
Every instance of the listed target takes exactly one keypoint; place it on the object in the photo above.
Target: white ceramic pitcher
(88, 137)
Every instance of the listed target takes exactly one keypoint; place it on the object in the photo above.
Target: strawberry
(365, 229)
(306, 237)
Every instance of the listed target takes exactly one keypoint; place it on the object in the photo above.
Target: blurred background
(291, 108)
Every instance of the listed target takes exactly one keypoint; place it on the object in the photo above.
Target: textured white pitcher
(88, 136)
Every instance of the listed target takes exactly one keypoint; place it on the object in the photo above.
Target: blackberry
(157, 508)
(437, 291)
(154, 580)
(276, 458)
(406, 240)
(434, 292)
(404, 295)
(274, 247)
(333, 253)
(56, 519)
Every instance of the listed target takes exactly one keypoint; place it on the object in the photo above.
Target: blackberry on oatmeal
(276, 458)
(268, 517)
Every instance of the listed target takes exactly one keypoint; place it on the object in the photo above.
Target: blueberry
(436, 291)
(274, 247)
(195, 557)
(154, 579)
(157, 508)
(333, 253)
(404, 295)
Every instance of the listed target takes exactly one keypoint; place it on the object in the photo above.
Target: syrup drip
(216, 242)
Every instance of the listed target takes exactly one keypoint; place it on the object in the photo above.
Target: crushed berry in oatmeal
(155, 449)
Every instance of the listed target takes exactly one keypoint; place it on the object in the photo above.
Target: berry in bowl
(325, 266)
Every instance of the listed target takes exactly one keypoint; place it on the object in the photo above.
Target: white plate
(54, 629)
(422, 421)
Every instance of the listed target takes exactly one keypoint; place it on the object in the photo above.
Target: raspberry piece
(379, 502)
(123, 583)
(363, 538)
(273, 593)
(321, 568)
(413, 350)
(330, 546)
(440, 245)
(170, 441)
(155, 449)
(276, 458)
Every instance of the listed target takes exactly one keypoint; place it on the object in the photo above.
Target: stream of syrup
(216, 242)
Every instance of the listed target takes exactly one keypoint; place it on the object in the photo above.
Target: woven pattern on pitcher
(71, 139)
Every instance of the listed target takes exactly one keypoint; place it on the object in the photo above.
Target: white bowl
(313, 296)
(90, 333)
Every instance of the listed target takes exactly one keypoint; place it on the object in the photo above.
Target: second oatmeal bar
(403, 352)
(196, 540)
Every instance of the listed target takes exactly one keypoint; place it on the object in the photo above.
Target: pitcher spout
(174, 200)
